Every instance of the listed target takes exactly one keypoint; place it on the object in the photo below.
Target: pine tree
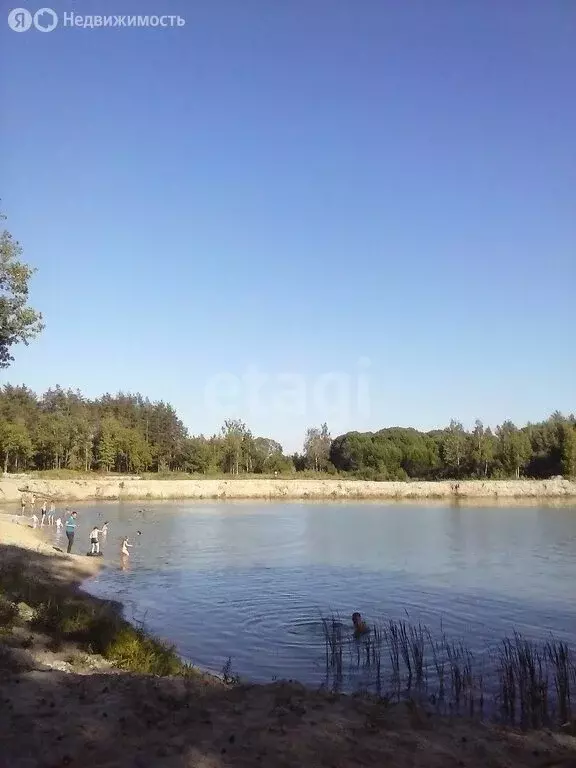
(107, 448)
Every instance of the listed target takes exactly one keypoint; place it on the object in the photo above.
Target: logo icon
(45, 20)
(20, 19)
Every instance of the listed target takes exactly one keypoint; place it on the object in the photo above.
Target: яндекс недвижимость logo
(21, 20)
(46, 19)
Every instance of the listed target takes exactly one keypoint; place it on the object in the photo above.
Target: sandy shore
(15, 531)
(63, 706)
(12, 489)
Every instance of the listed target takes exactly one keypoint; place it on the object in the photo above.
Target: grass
(520, 682)
(80, 474)
(67, 616)
(99, 629)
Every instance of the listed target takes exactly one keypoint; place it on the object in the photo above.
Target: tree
(483, 448)
(277, 462)
(51, 439)
(106, 446)
(15, 443)
(514, 448)
(568, 448)
(134, 452)
(317, 447)
(234, 433)
(19, 323)
(454, 446)
(198, 455)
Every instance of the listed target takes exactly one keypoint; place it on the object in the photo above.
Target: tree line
(541, 450)
(121, 433)
(127, 433)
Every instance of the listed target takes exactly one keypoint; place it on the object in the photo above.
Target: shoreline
(79, 708)
(12, 490)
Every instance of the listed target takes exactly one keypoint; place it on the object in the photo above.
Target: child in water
(124, 556)
(360, 626)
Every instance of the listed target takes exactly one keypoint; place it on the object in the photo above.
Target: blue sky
(298, 186)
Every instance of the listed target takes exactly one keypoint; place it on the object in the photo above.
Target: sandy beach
(66, 706)
(101, 488)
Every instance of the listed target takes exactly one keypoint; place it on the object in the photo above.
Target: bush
(101, 630)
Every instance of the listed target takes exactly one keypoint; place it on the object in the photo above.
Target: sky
(297, 211)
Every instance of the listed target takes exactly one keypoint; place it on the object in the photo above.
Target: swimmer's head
(356, 619)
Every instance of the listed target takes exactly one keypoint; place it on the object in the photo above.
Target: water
(250, 580)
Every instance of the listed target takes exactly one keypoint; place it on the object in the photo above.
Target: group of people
(47, 516)
(95, 533)
(70, 523)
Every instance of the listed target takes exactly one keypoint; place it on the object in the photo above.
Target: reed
(564, 675)
(522, 683)
(334, 647)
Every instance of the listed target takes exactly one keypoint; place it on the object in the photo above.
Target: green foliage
(19, 323)
(317, 448)
(132, 649)
(454, 447)
(62, 432)
(483, 449)
(391, 454)
(537, 450)
(237, 440)
(514, 449)
(568, 449)
(99, 629)
(15, 443)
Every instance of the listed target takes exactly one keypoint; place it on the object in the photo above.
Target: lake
(251, 581)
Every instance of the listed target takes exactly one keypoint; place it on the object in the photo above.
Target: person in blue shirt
(71, 530)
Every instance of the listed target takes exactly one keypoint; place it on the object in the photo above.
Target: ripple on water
(255, 586)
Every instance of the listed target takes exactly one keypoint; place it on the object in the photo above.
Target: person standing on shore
(71, 530)
(23, 504)
(94, 543)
